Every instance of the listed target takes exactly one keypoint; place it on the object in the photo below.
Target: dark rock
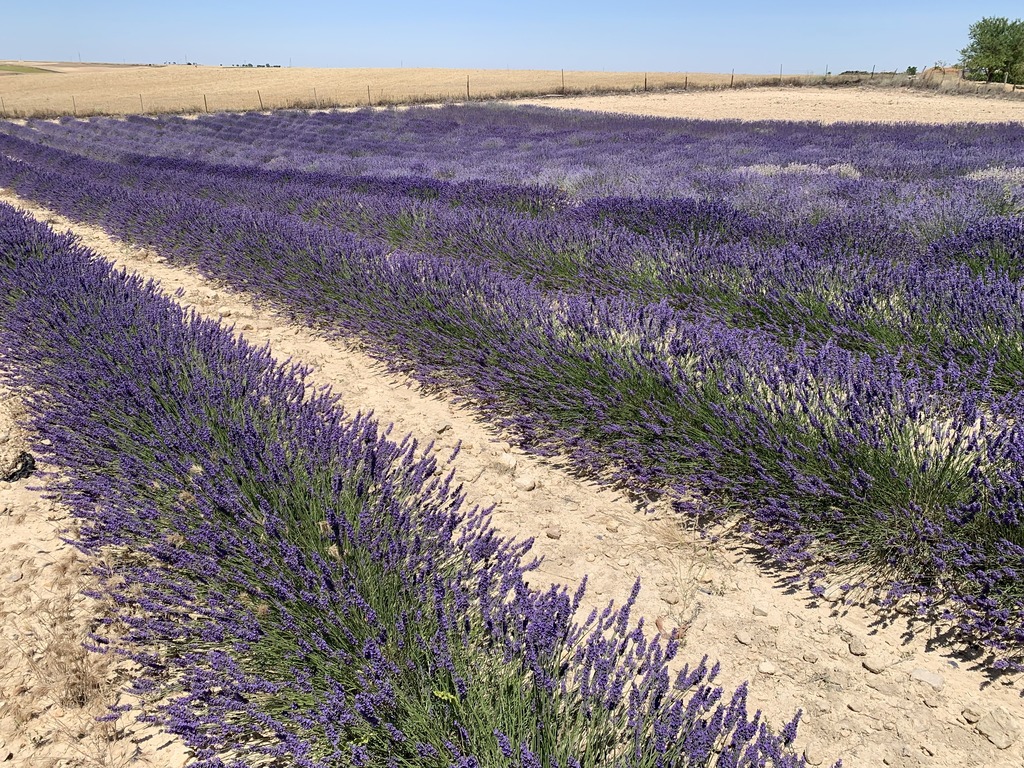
(23, 466)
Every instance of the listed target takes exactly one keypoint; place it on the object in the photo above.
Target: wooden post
(74, 106)
(872, 72)
(563, 82)
(780, 74)
(368, 99)
(686, 82)
(141, 108)
(467, 87)
(645, 82)
(260, 97)
(316, 101)
(732, 78)
(206, 104)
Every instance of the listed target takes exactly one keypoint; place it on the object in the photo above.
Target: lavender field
(817, 330)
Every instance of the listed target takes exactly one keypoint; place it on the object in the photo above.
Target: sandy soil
(51, 689)
(825, 105)
(873, 693)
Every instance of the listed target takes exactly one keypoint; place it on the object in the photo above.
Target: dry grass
(56, 694)
(118, 89)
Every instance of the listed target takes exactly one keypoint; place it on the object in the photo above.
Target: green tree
(996, 49)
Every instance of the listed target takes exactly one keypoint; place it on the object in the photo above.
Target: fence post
(260, 97)
(732, 78)
(141, 107)
(645, 82)
(316, 101)
(369, 100)
(872, 72)
(467, 87)
(780, 74)
(686, 82)
(74, 106)
(206, 104)
(563, 82)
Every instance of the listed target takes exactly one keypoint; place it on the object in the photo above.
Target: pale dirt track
(824, 105)
(872, 694)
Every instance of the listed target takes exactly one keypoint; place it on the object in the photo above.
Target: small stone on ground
(934, 679)
(971, 715)
(1000, 727)
(813, 755)
(525, 483)
(874, 665)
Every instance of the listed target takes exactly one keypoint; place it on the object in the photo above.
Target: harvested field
(100, 89)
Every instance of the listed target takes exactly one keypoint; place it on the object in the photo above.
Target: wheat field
(88, 89)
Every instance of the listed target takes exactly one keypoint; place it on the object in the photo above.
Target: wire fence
(15, 106)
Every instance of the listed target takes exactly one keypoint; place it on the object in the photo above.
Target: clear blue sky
(679, 35)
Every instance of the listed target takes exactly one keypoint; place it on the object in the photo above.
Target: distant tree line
(996, 50)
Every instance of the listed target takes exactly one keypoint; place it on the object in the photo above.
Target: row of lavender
(925, 179)
(907, 458)
(598, 154)
(879, 181)
(297, 587)
(869, 286)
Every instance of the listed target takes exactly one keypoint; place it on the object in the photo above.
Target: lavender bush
(297, 588)
(818, 328)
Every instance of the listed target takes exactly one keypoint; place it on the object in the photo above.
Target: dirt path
(871, 694)
(825, 105)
